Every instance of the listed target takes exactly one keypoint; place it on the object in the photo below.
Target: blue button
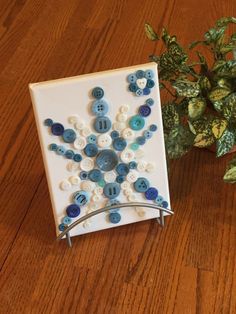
(132, 165)
(98, 92)
(134, 146)
(80, 198)
(73, 210)
(139, 92)
(122, 169)
(95, 175)
(48, 122)
(149, 102)
(57, 129)
(69, 154)
(141, 140)
(145, 110)
(149, 74)
(91, 150)
(165, 204)
(153, 127)
(136, 123)
(66, 220)
(159, 200)
(147, 134)
(132, 78)
(61, 227)
(107, 160)
(140, 74)
(111, 190)
(69, 136)
(83, 175)
(77, 157)
(92, 139)
(113, 202)
(114, 218)
(146, 91)
(141, 185)
(151, 193)
(100, 107)
(150, 83)
(119, 143)
(114, 134)
(133, 87)
(120, 179)
(102, 124)
(61, 150)
(53, 147)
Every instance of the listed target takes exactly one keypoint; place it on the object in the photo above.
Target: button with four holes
(98, 92)
(100, 107)
(145, 110)
(141, 185)
(149, 102)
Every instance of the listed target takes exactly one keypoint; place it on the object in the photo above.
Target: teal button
(134, 146)
(136, 123)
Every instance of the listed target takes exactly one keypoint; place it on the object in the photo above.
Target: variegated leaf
(218, 127)
(186, 88)
(218, 93)
(196, 107)
(204, 139)
(151, 34)
(224, 21)
(229, 108)
(170, 115)
(218, 105)
(225, 143)
(230, 175)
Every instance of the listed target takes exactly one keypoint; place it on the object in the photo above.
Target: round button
(74, 180)
(140, 211)
(102, 124)
(139, 153)
(146, 91)
(153, 127)
(120, 179)
(73, 210)
(132, 165)
(110, 176)
(147, 134)
(128, 134)
(114, 218)
(151, 193)
(53, 147)
(96, 198)
(141, 166)
(128, 192)
(69, 154)
(114, 134)
(141, 140)
(73, 119)
(98, 92)
(133, 87)
(104, 140)
(66, 220)
(139, 92)
(125, 185)
(87, 164)
(124, 108)
(48, 122)
(95, 175)
(61, 227)
(77, 157)
(145, 110)
(61, 150)
(65, 185)
(92, 139)
(132, 78)
(88, 186)
(111, 190)
(72, 166)
(122, 169)
(132, 198)
(140, 74)
(159, 200)
(98, 190)
(119, 143)
(132, 176)
(121, 117)
(141, 185)
(151, 166)
(91, 150)
(100, 107)
(86, 131)
(101, 183)
(79, 125)
(136, 123)
(83, 175)
(119, 126)
(149, 74)
(111, 203)
(80, 143)
(107, 160)
(165, 204)
(150, 83)
(69, 136)
(80, 198)
(134, 146)
(149, 102)
(57, 129)
(127, 155)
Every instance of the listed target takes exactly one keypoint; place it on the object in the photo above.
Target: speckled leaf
(191, 127)
(167, 63)
(224, 21)
(224, 83)
(177, 53)
(196, 107)
(227, 48)
(186, 88)
(225, 143)
(218, 64)
(204, 139)
(218, 105)
(170, 115)
(229, 108)
(230, 175)
(228, 69)
(151, 34)
(218, 127)
(218, 93)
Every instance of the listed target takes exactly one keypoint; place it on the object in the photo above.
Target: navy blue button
(114, 134)
(151, 193)
(48, 122)
(140, 74)
(141, 140)
(145, 110)
(141, 185)
(73, 210)
(153, 127)
(120, 179)
(147, 134)
(149, 74)
(132, 78)
(133, 87)
(136, 123)
(111, 190)
(132, 165)
(95, 175)
(122, 169)
(100, 107)
(91, 150)
(114, 218)
(57, 129)
(62, 227)
(149, 102)
(165, 204)
(102, 124)
(77, 157)
(92, 139)
(98, 92)
(61, 150)
(119, 143)
(83, 175)
(53, 147)
(80, 198)
(69, 154)
(113, 202)
(150, 83)
(69, 136)
(107, 160)
(146, 91)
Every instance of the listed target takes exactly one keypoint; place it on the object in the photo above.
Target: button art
(98, 92)
(96, 198)
(101, 183)
(81, 198)
(111, 190)
(145, 110)
(100, 107)
(57, 129)
(102, 124)
(128, 192)
(104, 140)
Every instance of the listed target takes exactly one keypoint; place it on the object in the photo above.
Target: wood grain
(187, 267)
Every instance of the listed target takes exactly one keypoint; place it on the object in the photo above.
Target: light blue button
(119, 143)
(159, 200)
(139, 92)
(147, 134)
(122, 169)
(92, 139)
(95, 175)
(111, 190)
(66, 220)
(61, 150)
(114, 218)
(149, 74)
(81, 198)
(102, 124)
(140, 74)
(136, 123)
(141, 185)
(100, 107)
(107, 160)
(69, 136)
(132, 78)
(91, 150)
(98, 92)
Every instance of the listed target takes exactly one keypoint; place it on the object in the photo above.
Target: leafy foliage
(202, 111)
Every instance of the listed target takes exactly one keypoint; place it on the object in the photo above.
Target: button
(79, 125)
(77, 157)
(53, 147)
(150, 83)
(98, 190)
(100, 107)
(95, 175)
(74, 180)
(102, 124)
(111, 203)
(93, 206)
(149, 74)
(91, 150)
(141, 83)
(120, 179)
(110, 176)
(92, 139)
(128, 192)
(48, 122)
(133, 87)
(127, 155)
(61, 150)
(140, 211)
(149, 102)
(66, 220)
(151, 167)
(124, 108)
(132, 198)
(139, 154)
(132, 165)
(114, 134)
(125, 185)
(107, 160)
(132, 78)
(88, 186)
(114, 218)
(140, 74)
(87, 164)
(151, 194)
(80, 198)
(57, 129)
(98, 92)
(101, 183)
(139, 92)
(132, 176)
(69, 136)
(122, 169)
(73, 210)
(104, 140)
(153, 127)
(61, 227)
(86, 131)
(147, 134)
(119, 143)
(141, 140)
(69, 154)
(65, 185)
(141, 166)
(119, 126)
(128, 134)
(146, 91)
(121, 117)
(83, 175)
(134, 146)
(141, 185)
(111, 190)
(145, 110)
(165, 204)
(72, 166)
(80, 143)
(73, 119)
(159, 200)
(96, 198)
(136, 123)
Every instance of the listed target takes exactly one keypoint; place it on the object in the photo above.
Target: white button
(110, 176)
(73, 119)
(79, 125)
(87, 223)
(141, 82)
(87, 186)
(125, 185)
(124, 109)
(93, 206)
(80, 142)
(86, 131)
(72, 166)
(98, 190)
(65, 185)
(96, 198)
(74, 180)
(104, 140)
(127, 155)
(132, 198)
(128, 192)
(141, 166)
(140, 211)
(121, 117)
(128, 134)
(87, 164)
(151, 167)
(118, 126)
(132, 176)
(139, 153)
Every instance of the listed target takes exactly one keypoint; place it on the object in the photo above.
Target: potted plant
(202, 109)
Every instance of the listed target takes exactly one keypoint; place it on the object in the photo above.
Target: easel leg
(68, 239)
(161, 219)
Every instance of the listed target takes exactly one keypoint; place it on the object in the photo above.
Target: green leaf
(218, 105)
(218, 64)
(154, 58)
(165, 36)
(196, 107)
(227, 48)
(205, 84)
(228, 69)
(177, 53)
(224, 21)
(218, 127)
(230, 175)
(186, 88)
(197, 42)
(204, 139)
(229, 107)
(225, 143)
(218, 93)
(151, 34)
(170, 116)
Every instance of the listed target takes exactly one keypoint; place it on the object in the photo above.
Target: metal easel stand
(160, 220)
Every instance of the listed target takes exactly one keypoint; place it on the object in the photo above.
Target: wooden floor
(187, 267)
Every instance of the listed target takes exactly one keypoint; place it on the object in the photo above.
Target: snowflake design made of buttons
(141, 82)
(107, 161)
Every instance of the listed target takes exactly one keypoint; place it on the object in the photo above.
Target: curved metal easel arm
(107, 208)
